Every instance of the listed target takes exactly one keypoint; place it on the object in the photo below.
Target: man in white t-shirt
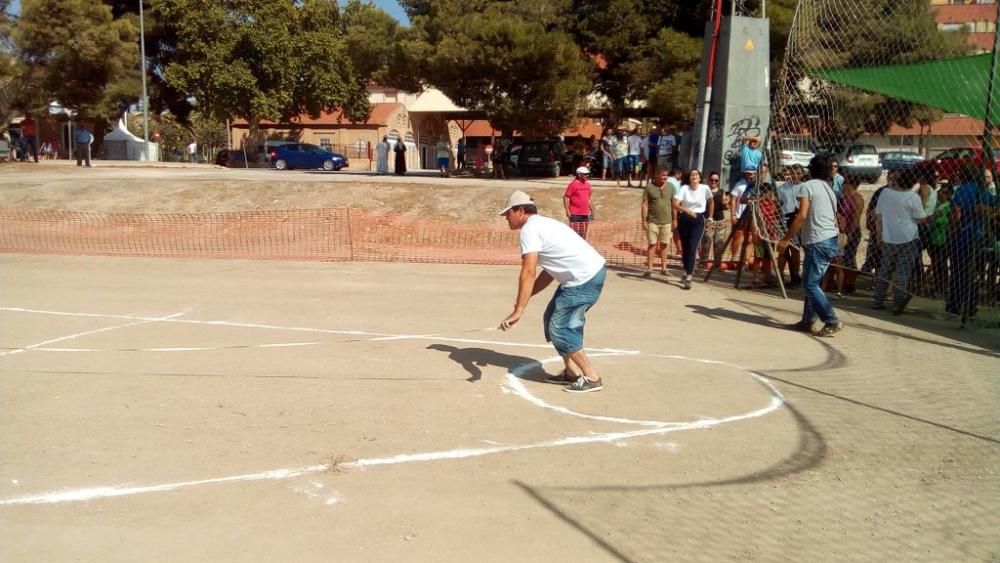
(193, 151)
(634, 150)
(665, 146)
(898, 212)
(580, 272)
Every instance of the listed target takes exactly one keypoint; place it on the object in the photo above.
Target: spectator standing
(751, 156)
(443, 156)
(849, 212)
(607, 155)
(460, 153)
(898, 213)
(651, 142)
(576, 201)
(938, 242)
(84, 138)
(619, 147)
(657, 219)
(192, 150)
(691, 204)
(817, 220)
(789, 203)
(634, 153)
(969, 206)
(580, 272)
(716, 227)
(738, 197)
(666, 145)
(873, 256)
(29, 139)
(838, 181)
(382, 156)
(399, 149)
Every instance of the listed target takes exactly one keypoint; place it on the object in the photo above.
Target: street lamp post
(145, 98)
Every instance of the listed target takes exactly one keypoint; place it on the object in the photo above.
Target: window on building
(325, 143)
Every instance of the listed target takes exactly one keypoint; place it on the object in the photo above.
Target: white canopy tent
(120, 144)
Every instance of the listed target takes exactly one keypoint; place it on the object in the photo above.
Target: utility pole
(145, 97)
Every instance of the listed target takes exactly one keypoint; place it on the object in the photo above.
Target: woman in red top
(576, 200)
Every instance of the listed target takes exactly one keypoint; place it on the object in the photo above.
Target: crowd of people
(816, 217)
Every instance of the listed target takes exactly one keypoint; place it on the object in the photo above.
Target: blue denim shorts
(566, 314)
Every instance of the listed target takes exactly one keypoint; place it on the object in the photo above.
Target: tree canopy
(511, 60)
(259, 59)
(74, 52)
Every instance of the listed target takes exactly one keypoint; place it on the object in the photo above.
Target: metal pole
(145, 98)
(763, 9)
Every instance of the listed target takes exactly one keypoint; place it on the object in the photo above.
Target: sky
(390, 6)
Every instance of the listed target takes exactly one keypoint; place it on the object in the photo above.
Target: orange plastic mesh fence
(334, 234)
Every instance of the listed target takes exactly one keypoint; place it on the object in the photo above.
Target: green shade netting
(959, 85)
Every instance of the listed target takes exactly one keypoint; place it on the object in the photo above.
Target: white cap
(583, 170)
(515, 199)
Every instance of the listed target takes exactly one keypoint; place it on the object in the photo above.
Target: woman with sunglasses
(714, 240)
(692, 203)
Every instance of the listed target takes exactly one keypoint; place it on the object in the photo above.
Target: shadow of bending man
(474, 359)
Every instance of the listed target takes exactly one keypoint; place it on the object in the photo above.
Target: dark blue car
(899, 160)
(302, 155)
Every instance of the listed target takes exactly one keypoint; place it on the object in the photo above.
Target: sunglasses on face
(713, 179)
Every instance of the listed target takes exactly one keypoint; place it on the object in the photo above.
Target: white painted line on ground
(777, 400)
(89, 332)
(303, 329)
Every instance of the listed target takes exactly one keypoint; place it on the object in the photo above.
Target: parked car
(950, 162)
(545, 158)
(794, 150)
(899, 160)
(857, 159)
(303, 155)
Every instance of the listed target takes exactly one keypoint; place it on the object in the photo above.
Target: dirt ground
(158, 409)
(178, 188)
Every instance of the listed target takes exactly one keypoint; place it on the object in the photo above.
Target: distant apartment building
(979, 17)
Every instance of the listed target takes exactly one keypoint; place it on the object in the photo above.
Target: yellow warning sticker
(749, 45)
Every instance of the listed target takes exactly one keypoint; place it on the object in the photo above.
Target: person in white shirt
(382, 156)
(665, 146)
(692, 203)
(737, 205)
(634, 150)
(580, 272)
(193, 151)
(898, 212)
(443, 149)
(786, 194)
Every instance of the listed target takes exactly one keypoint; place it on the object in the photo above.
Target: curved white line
(777, 400)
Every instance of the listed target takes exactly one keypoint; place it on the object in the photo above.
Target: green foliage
(677, 59)
(511, 60)
(374, 45)
(76, 52)
(210, 134)
(259, 59)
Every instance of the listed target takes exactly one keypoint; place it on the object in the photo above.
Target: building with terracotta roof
(979, 17)
(421, 120)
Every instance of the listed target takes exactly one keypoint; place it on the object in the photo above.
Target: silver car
(794, 150)
(857, 159)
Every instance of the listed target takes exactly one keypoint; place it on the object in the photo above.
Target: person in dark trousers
(400, 151)
(817, 219)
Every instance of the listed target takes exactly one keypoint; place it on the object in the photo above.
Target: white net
(828, 100)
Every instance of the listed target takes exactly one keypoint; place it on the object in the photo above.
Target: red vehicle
(950, 162)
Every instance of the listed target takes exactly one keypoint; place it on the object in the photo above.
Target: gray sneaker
(582, 385)
(830, 329)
